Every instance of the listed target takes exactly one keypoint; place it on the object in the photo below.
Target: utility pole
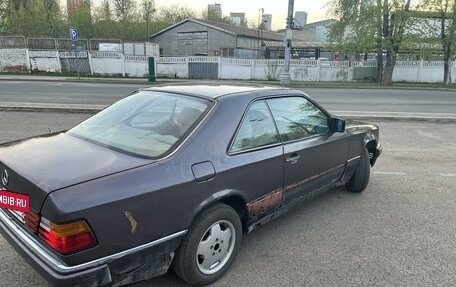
(260, 23)
(285, 78)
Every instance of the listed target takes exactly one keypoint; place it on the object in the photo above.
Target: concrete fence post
(152, 71)
(27, 54)
(60, 64)
(220, 64)
(318, 69)
(420, 68)
(187, 61)
(89, 56)
(122, 57)
(252, 69)
(156, 66)
(452, 70)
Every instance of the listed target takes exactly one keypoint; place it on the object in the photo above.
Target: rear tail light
(67, 238)
(31, 221)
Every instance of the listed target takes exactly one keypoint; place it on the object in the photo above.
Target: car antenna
(49, 130)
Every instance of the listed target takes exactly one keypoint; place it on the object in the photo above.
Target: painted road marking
(390, 173)
(398, 173)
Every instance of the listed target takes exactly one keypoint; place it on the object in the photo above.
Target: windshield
(147, 124)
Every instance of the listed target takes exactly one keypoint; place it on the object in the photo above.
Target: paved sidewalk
(144, 81)
(28, 77)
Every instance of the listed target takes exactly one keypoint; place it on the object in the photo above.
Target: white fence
(116, 63)
(14, 60)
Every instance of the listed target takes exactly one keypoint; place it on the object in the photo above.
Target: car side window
(256, 130)
(297, 118)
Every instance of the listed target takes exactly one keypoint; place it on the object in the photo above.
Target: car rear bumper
(132, 265)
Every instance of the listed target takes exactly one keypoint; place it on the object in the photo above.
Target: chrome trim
(34, 246)
(18, 215)
(5, 178)
(254, 149)
(355, 158)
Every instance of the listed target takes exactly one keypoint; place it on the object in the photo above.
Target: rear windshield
(147, 124)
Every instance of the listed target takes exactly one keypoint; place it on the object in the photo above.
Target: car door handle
(292, 158)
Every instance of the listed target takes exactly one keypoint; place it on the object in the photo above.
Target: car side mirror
(337, 125)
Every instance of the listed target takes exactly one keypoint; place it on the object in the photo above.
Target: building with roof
(314, 32)
(192, 37)
(300, 19)
(238, 18)
(267, 22)
(215, 9)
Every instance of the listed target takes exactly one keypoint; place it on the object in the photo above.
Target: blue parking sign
(74, 34)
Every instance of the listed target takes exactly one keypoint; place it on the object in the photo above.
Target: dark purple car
(173, 176)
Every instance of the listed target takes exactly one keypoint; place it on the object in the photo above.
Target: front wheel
(359, 180)
(210, 246)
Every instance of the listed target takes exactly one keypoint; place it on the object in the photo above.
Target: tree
(82, 19)
(448, 37)
(355, 32)
(29, 19)
(26, 17)
(44, 18)
(365, 25)
(124, 9)
(53, 16)
(446, 11)
(147, 12)
(104, 12)
(395, 16)
(175, 13)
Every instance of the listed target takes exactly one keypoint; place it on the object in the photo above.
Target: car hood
(40, 165)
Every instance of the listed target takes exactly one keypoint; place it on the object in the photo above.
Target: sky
(278, 8)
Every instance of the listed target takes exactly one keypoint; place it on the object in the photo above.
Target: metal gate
(75, 62)
(203, 70)
(75, 65)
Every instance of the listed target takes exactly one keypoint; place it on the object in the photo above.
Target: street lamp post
(260, 23)
(285, 78)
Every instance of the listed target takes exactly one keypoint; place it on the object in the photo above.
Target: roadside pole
(74, 36)
(285, 78)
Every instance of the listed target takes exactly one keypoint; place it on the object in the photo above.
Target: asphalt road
(399, 232)
(377, 100)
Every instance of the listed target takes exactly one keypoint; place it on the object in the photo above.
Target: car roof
(211, 90)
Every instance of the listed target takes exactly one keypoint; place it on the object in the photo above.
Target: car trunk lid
(41, 165)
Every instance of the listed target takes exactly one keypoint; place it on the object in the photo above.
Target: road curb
(51, 108)
(441, 120)
(92, 109)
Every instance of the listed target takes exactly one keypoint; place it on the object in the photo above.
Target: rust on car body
(132, 221)
(301, 183)
(264, 205)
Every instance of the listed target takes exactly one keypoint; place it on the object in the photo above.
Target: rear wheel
(210, 246)
(358, 182)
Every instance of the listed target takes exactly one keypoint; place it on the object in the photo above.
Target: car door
(314, 156)
(256, 156)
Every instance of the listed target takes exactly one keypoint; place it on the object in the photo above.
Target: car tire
(210, 246)
(358, 182)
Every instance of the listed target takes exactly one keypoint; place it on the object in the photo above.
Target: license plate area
(14, 201)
